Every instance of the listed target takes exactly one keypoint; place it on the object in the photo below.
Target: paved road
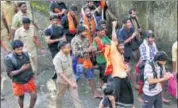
(45, 68)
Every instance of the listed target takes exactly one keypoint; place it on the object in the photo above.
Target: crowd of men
(81, 45)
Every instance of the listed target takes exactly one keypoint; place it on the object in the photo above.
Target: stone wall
(159, 16)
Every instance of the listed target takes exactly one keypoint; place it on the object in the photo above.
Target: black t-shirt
(60, 6)
(22, 77)
(54, 32)
(65, 24)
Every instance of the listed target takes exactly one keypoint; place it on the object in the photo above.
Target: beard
(88, 15)
(121, 51)
(82, 36)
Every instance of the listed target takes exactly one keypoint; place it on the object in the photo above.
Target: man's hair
(21, 3)
(125, 19)
(86, 8)
(149, 34)
(102, 22)
(120, 42)
(51, 17)
(26, 20)
(81, 28)
(100, 28)
(160, 56)
(132, 9)
(17, 44)
(73, 7)
(61, 44)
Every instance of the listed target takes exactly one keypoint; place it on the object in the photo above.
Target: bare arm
(101, 105)
(114, 35)
(4, 46)
(61, 13)
(152, 80)
(130, 38)
(112, 99)
(12, 34)
(51, 41)
(37, 42)
(16, 72)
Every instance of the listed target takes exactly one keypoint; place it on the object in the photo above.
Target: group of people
(81, 45)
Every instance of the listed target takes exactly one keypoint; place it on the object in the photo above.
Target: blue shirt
(123, 35)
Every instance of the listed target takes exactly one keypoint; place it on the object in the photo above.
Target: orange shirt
(119, 68)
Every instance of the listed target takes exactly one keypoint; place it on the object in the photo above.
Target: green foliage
(40, 6)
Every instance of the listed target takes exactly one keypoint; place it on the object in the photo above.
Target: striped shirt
(147, 52)
(148, 72)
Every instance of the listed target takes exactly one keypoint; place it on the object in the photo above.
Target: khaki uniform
(17, 19)
(4, 37)
(63, 64)
(27, 36)
(4, 34)
(8, 11)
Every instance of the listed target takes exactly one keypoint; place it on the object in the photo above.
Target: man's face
(18, 51)
(73, 12)
(90, 4)
(128, 24)
(134, 14)
(26, 26)
(102, 33)
(120, 48)
(54, 21)
(66, 49)
(151, 40)
(84, 34)
(162, 62)
(23, 8)
(88, 12)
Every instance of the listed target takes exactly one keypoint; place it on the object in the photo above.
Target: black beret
(53, 17)
(61, 44)
(26, 20)
(81, 28)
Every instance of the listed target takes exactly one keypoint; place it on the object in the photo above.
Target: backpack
(13, 59)
(151, 86)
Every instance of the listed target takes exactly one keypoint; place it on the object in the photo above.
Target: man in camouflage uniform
(81, 49)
